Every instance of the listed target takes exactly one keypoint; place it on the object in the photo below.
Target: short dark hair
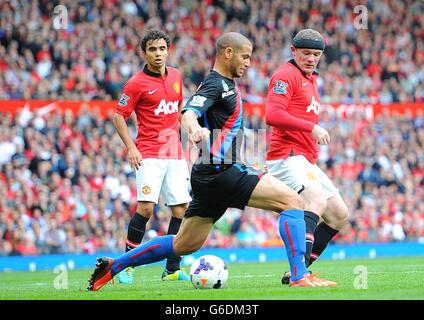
(231, 39)
(154, 35)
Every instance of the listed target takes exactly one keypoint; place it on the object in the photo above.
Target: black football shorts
(219, 187)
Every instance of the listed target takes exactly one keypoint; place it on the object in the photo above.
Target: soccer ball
(208, 272)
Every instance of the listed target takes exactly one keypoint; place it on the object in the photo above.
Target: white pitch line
(397, 272)
(241, 276)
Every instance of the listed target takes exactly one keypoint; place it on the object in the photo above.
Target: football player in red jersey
(292, 110)
(155, 95)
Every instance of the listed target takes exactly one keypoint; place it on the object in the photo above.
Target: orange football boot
(101, 274)
(306, 281)
(311, 280)
(325, 283)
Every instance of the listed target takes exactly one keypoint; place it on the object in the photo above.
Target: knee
(145, 210)
(342, 216)
(295, 201)
(179, 210)
(338, 218)
(316, 205)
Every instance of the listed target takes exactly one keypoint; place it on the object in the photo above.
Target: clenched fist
(200, 134)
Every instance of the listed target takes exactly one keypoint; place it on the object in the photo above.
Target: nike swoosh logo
(304, 84)
(152, 92)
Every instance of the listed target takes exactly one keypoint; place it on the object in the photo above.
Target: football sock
(173, 264)
(154, 250)
(292, 231)
(323, 235)
(136, 230)
(311, 220)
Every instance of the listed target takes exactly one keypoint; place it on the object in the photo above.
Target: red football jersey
(292, 110)
(156, 101)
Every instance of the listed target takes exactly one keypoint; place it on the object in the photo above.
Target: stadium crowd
(375, 55)
(65, 185)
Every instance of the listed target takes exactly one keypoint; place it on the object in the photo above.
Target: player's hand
(321, 135)
(134, 157)
(200, 134)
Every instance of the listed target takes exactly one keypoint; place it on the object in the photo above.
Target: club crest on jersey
(123, 101)
(225, 86)
(226, 93)
(280, 87)
(313, 106)
(166, 107)
(198, 101)
(177, 87)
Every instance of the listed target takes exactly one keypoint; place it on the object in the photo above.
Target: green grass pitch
(362, 279)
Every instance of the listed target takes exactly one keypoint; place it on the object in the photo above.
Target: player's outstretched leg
(190, 238)
(154, 250)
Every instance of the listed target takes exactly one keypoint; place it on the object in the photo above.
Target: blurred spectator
(94, 56)
(58, 194)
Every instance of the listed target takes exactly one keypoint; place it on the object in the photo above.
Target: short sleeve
(206, 95)
(280, 90)
(128, 99)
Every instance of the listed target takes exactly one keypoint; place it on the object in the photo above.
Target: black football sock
(323, 235)
(173, 264)
(136, 230)
(311, 220)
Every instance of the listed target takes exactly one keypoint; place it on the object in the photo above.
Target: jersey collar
(314, 73)
(232, 80)
(154, 74)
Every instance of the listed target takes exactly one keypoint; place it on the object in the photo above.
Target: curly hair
(154, 35)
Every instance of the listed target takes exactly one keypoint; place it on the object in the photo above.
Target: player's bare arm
(190, 123)
(134, 155)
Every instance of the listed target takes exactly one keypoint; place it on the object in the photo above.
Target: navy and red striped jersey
(219, 107)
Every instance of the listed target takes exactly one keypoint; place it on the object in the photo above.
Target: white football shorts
(167, 176)
(298, 173)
